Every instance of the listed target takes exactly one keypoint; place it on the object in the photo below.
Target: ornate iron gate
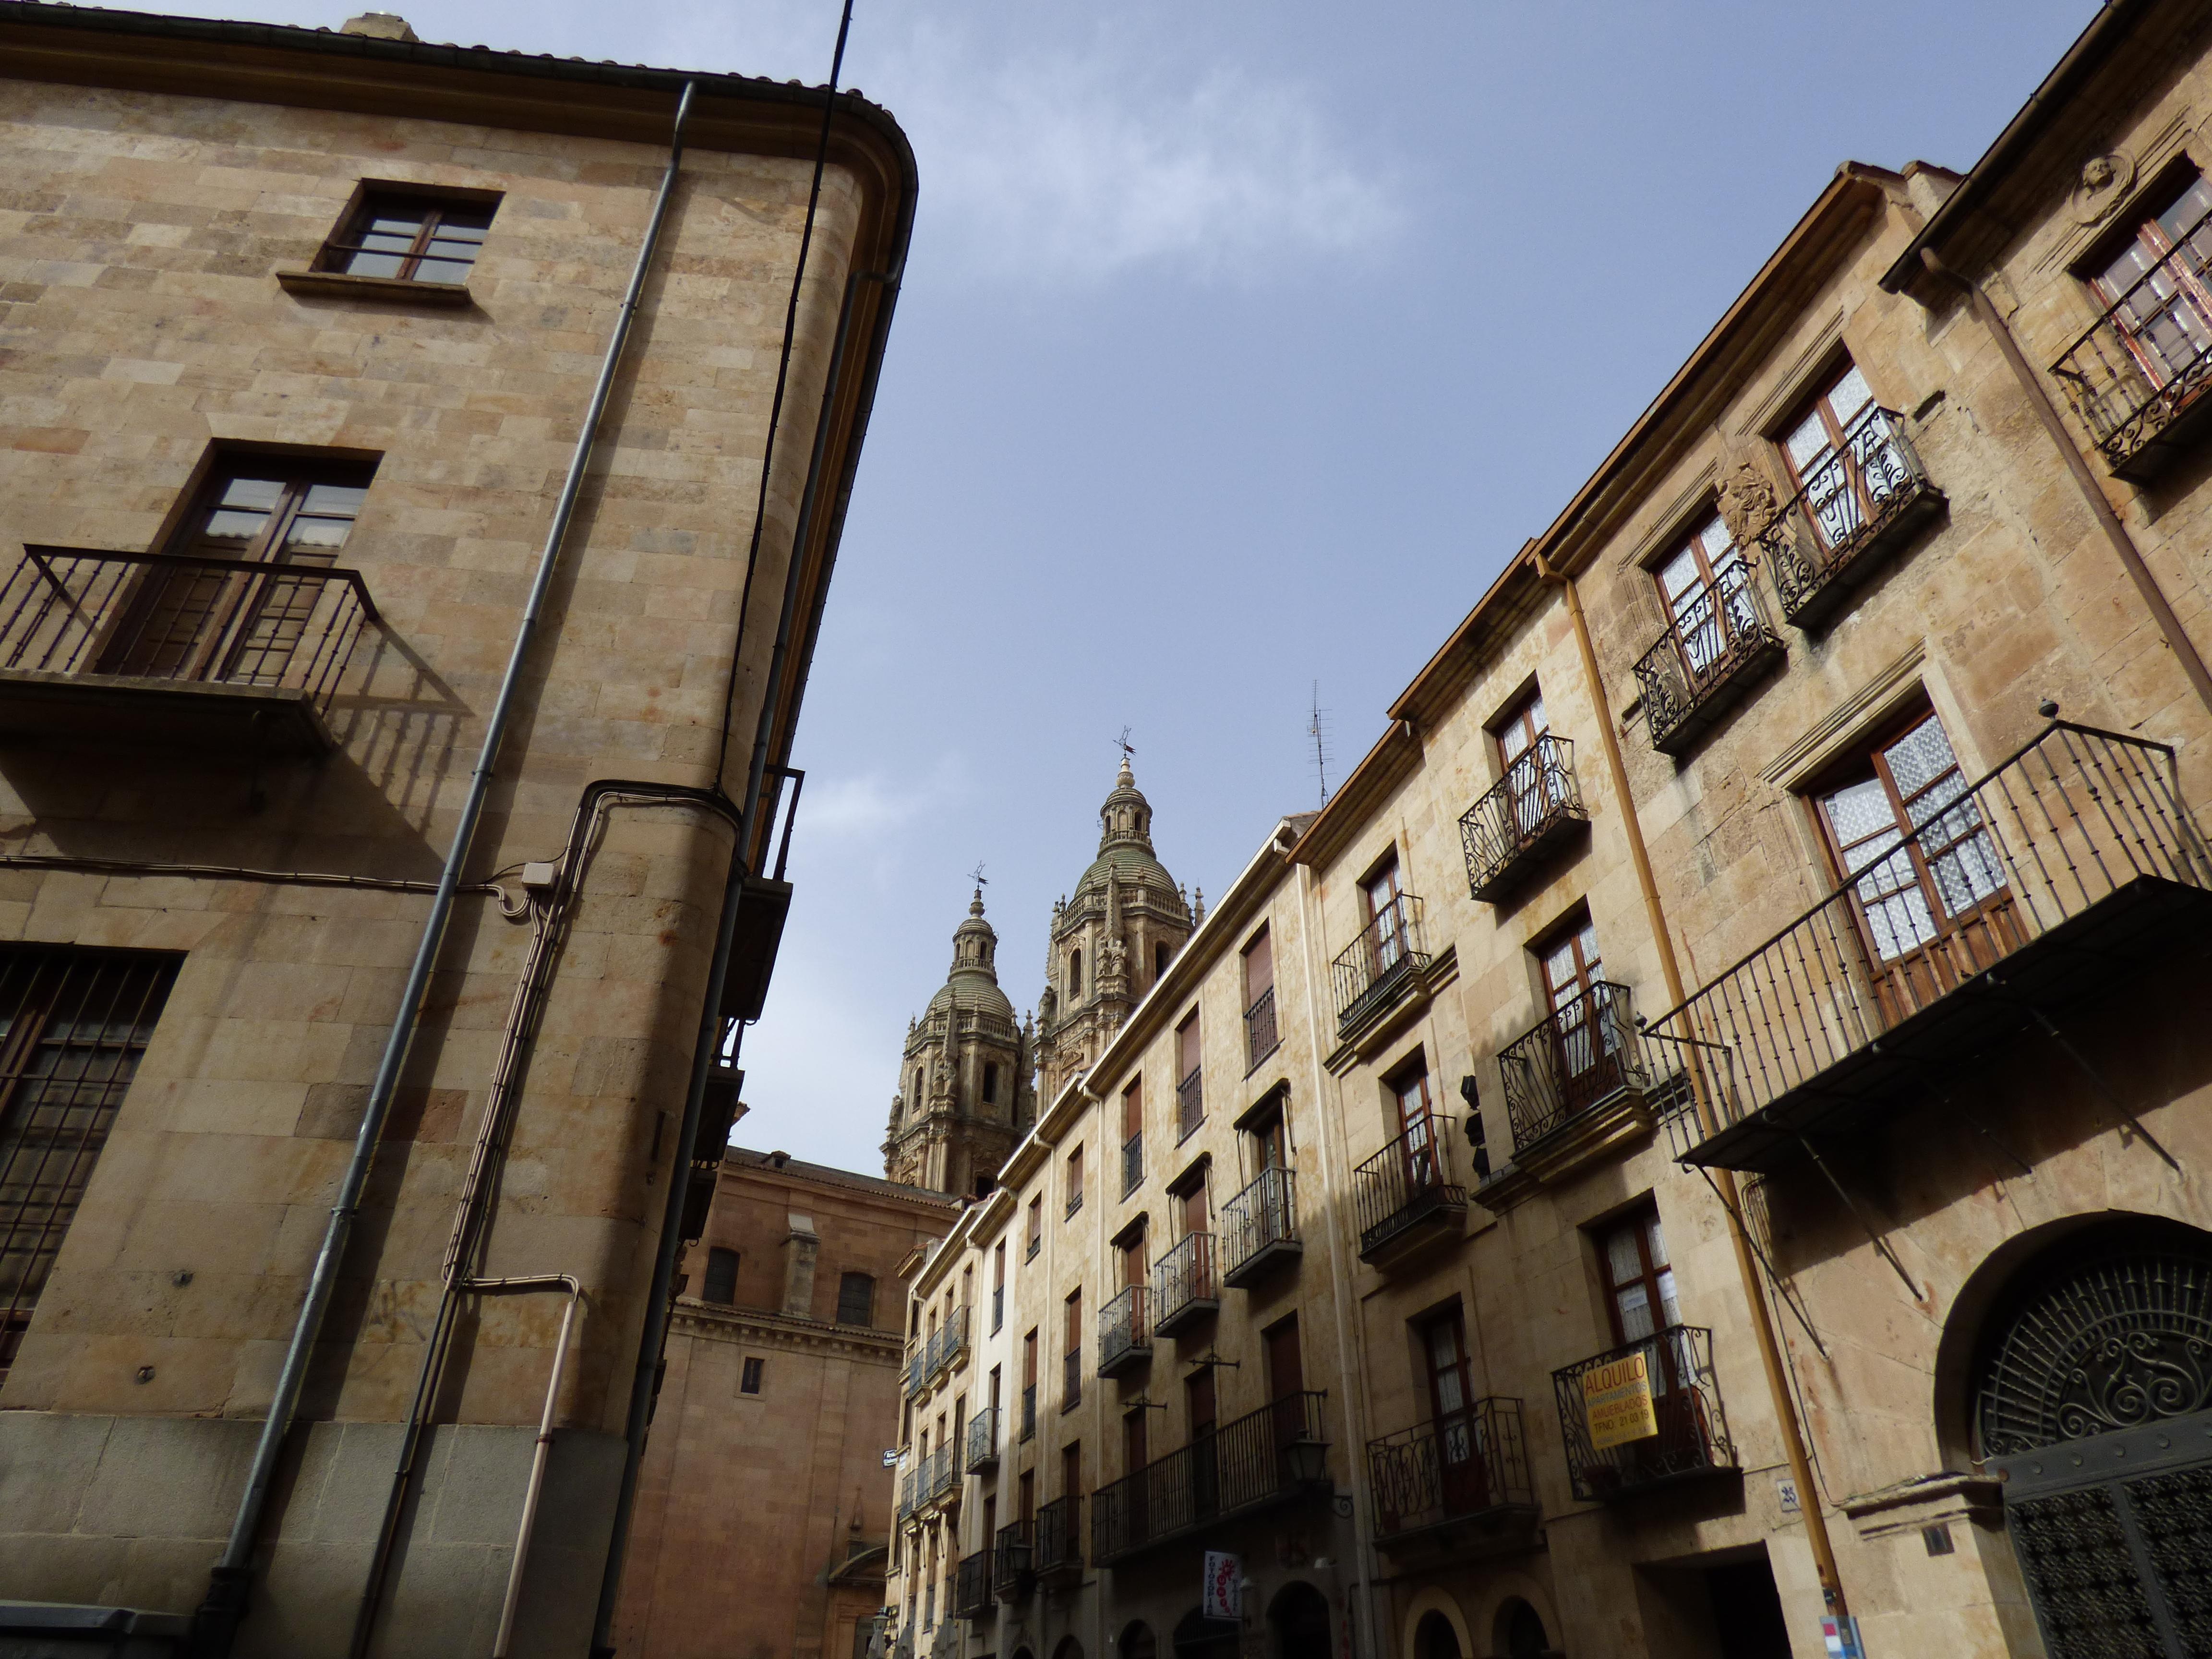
(2096, 1405)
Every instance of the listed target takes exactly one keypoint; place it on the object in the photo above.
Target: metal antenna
(1317, 729)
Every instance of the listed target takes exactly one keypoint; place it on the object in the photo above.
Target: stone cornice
(760, 1327)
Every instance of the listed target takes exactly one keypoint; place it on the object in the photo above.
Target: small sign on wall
(1841, 1637)
(1617, 1402)
(1222, 1597)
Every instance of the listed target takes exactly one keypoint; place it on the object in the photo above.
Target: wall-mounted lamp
(1307, 1462)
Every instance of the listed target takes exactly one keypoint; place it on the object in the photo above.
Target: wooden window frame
(371, 195)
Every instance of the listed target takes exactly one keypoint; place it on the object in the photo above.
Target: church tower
(1111, 941)
(965, 1096)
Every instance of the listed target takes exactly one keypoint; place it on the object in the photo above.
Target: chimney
(801, 1245)
(378, 26)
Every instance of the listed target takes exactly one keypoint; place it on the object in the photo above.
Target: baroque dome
(1124, 843)
(973, 984)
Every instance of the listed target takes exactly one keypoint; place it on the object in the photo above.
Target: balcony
(2033, 887)
(1455, 1488)
(948, 1346)
(1132, 1163)
(1274, 1456)
(1059, 1559)
(1261, 1037)
(1578, 1084)
(1125, 1335)
(1183, 1290)
(1190, 1104)
(1642, 1416)
(1720, 644)
(971, 1587)
(937, 1481)
(1859, 505)
(1260, 1229)
(1528, 814)
(1010, 1564)
(983, 1441)
(917, 1367)
(1380, 968)
(2135, 378)
(1404, 1198)
(909, 1483)
(176, 651)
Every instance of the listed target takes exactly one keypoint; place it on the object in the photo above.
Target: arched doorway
(1137, 1641)
(1435, 1638)
(1069, 1648)
(2092, 1395)
(1197, 1637)
(1521, 1632)
(1298, 1620)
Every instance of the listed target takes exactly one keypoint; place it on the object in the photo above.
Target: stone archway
(2091, 1394)
(1298, 1623)
(1136, 1641)
(1197, 1637)
(1435, 1638)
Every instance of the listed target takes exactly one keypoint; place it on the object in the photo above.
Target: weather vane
(1124, 740)
(977, 876)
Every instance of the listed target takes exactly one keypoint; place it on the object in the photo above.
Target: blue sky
(1241, 344)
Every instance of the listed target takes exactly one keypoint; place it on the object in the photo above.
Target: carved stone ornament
(2106, 180)
(1747, 505)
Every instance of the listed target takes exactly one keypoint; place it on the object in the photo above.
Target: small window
(856, 1299)
(1075, 1181)
(1161, 957)
(1639, 1280)
(2158, 286)
(410, 237)
(720, 1284)
(1037, 1226)
(1074, 975)
(990, 1082)
(751, 1382)
(1190, 1087)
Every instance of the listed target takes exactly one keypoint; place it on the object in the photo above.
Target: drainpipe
(215, 1628)
(1762, 1324)
(2122, 545)
(1354, 1374)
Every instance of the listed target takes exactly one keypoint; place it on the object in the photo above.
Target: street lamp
(1307, 1462)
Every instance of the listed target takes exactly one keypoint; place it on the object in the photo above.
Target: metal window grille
(72, 1026)
(856, 1299)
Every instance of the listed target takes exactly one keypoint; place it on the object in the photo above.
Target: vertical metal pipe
(528, 1524)
(217, 1623)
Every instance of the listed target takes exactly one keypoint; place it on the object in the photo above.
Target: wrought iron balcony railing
(1268, 1456)
(948, 1345)
(1028, 1412)
(1535, 806)
(2135, 377)
(1071, 1379)
(909, 1483)
(1406, 1190)
(1260, 1227)
(77, 624)
(1183, 1290)
(1261, 1037)
(998, 1307)
(1719, 643)
(917, 1366)
(1010, 1567)
(2073, 856)
(1586, 1052)
(1862, 501)
(1190, 1104)
(983, 1440)
(1058, 1539)
(1132, 1163)
(941, 1477)
(1376, 968)
(1657, 1404)
(1125, 1334)
(1466, 1464)
(971, 1590)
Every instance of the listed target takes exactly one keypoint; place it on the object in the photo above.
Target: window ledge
(336, 285)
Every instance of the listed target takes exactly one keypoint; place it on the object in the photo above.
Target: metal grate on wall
(72, 1026)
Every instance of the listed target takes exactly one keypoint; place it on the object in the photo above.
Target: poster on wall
(1222, 1595)
(1617, 1402)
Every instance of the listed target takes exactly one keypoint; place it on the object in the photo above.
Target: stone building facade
(302, 327)
(766, 1508)
(1736, 1038)
(969, 1091)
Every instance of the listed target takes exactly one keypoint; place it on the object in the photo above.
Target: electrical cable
(70, 862)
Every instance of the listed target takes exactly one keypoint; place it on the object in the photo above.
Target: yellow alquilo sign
(1617, 1402)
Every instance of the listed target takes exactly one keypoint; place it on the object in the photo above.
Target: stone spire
(965, 1097)
(1111, 941)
